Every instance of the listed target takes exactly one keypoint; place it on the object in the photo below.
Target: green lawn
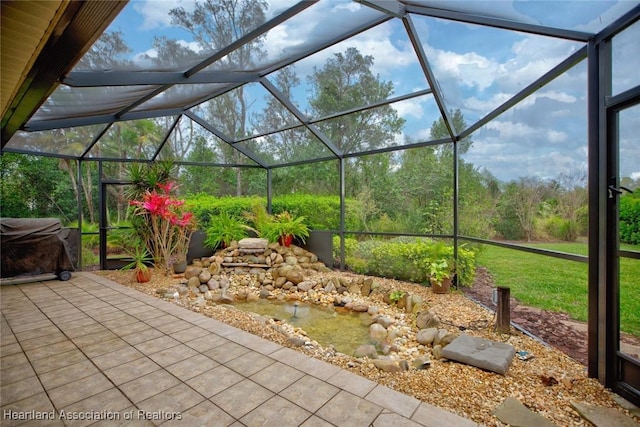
(560, 285)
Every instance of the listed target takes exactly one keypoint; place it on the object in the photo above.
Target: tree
(346, 82)
(35, 187)
(526, 202)
(215, 25)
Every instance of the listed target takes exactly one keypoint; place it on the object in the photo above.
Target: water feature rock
(213, 284)
(291, 260)
(426, 319)
(426, 336)
(191, 271)
(226, 299)
(296, 341)
(437, 352)
(377, 333)
(329, 288)
(253, 243)
(214, 268)
(203, 288)
(193, 282)
(385, 321)
(295, 276)
(386, 365)
(264, 293)
(305, 286)
(366, 350)
(422, 362)
(441, 334)
(360, 308)
(366, 287)
(447, 339)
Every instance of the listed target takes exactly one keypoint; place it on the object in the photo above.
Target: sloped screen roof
(168, 76)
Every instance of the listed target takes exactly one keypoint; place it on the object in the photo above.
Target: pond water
(345, 331)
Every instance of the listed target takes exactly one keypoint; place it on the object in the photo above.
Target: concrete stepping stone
(481, 353)
(600, 416)
(514, 413)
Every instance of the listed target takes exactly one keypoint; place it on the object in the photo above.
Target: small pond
(345, 331)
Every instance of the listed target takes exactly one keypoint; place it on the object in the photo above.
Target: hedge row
(321, 212)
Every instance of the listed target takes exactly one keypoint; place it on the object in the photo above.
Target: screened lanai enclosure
(508, 124)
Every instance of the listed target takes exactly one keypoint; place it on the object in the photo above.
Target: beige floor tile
(394, 400)
(126, 372)
(277, 376)
(348, 409)
(242, 398)
(58, 361)
(203, 414)
(206, 342)
(79, 390)
(310, 393)
(157, 344)
(172, 355)
(62, 376)
(225, 352)
(275, 412)
(174, 400)
(249, 363)
(101, 406)
(148, 385)
(214, 381)
(16, 373)
(19, 390)
(117, 357)
(191, 367)
(352, 383)
(50, 350)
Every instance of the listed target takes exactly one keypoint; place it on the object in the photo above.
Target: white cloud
(469, 69)
(155, 13)
(409, 108)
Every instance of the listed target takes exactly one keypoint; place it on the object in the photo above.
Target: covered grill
(36, 246)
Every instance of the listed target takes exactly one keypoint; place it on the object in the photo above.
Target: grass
(560, 285)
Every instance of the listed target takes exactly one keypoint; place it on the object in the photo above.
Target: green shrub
(561, 229)
(630, 219)
(409, 259)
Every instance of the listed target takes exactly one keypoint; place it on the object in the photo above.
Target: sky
(476, 68)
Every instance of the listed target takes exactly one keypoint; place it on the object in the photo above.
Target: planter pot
(285, 240)
(180, 267)
(442, 288)
(142, 276)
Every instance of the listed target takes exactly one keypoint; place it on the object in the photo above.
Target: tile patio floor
(91, 348)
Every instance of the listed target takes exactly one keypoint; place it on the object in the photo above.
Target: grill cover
(32, 246)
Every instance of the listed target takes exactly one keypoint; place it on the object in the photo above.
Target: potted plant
(283, 228)
(224, 229)
(141, 257)
(440, 272)
(164, 224)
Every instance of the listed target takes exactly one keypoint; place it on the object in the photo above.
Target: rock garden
(439, 348)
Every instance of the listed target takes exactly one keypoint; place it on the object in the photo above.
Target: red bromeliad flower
(170, 229)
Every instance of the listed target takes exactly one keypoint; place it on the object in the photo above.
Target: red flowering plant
(167, 228)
